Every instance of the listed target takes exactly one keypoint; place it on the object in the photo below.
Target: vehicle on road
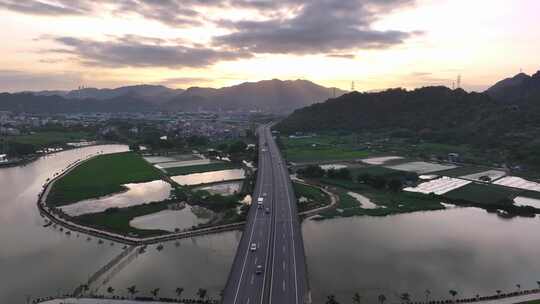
(267, 210)
(259, 269)
(253, 247)
(260, 202)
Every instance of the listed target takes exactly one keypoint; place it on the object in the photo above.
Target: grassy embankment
(100, 176)
(117, 220)
(201, 168)
(321, 148)
(315, 197)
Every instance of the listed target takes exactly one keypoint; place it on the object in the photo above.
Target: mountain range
(516, 89)
(269, 95)
(504, 120)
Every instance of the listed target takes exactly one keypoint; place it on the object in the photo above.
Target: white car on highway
(253, 247)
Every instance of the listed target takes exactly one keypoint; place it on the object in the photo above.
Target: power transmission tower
(352, 86)
(459, 81)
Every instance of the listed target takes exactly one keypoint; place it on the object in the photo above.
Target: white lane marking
(247, 249)
(247, 302)
(283, 265)
(292, 236)
(273, 252)
(283, 248)
(283, 284)
(256, 259)
(272, 202)
(252, 279)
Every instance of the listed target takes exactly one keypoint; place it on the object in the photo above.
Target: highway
(269, 266)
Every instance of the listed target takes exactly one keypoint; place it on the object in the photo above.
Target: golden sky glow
(483, 40)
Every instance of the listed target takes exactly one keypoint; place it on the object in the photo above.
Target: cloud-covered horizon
(337, 29)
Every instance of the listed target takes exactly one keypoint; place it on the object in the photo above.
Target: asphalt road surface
(269, 266)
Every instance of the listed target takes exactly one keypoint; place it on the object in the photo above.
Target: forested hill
(436, 113)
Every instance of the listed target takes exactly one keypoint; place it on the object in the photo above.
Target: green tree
(110, 290)
(331, 299)
(395, 185)
(179, 291)
(357, 299)
(202, 293)
(428, 294)
(132, 290)
(382, 298)
(155, 292)
(312, 171)
(405, 297)
(453, 293)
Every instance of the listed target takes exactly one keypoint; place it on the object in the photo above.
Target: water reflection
(465, 249)
(223, 188)
(136, 194)
(202, 262)
(36, 260)
(209, 177)
(169, 220)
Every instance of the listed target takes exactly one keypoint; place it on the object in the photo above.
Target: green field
(531, 302)
(201, 168)
(100, 176)
(316, 197)
(393, 202)
(321, 148)
(461, 171)
(482, 194)
(117, 220)
(50, 137)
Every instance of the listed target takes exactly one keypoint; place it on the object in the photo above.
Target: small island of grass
(100, 176)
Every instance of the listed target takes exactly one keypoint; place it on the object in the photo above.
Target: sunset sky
(62, 44)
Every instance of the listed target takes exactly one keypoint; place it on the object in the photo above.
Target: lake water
(35, 260)
(202, 262)
(465, 249)
(168, 220)
(209, 177)
(136, 194)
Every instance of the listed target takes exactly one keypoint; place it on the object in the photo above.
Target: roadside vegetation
(100, 176)
(382, 186)
(310, 197)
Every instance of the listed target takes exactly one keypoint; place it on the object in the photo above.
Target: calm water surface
(169, 220)
(35, 260)
(468, 250)
(465, 249)
(136, 194)
(209, 177)
(38, 261)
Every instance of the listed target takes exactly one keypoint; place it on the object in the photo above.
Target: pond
(209, 177)
(136, 194)
(465, 249)
(227, 188)
(169, 220)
